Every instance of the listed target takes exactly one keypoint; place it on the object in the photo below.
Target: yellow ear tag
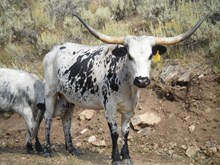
(156, 57)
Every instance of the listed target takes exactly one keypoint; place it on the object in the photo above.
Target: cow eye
(130, 58)
(150, 57)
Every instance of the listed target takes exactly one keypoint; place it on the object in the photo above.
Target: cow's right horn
(100, 36)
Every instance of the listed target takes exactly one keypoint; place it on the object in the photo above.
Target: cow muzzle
(141, 82)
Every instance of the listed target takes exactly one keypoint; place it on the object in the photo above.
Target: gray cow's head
(140, 49)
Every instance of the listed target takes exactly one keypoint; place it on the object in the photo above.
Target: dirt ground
(190, 120)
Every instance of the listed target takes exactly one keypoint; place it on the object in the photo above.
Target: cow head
(141, 49)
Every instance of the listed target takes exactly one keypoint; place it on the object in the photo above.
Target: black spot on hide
(81, 77)
(81, 72)
(41, 106)
(112, 78)
(63, 47)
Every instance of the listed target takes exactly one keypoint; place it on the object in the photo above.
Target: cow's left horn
(179, 38)
(100, 36)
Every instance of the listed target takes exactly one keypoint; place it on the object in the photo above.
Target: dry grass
(53, 23)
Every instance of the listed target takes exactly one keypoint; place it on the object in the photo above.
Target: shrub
(31, 28)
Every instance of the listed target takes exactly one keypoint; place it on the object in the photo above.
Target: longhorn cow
(107, 76)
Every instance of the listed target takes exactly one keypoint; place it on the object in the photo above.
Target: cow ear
(160, 48)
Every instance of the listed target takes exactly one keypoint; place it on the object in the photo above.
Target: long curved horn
(100, 36)
(179, 38)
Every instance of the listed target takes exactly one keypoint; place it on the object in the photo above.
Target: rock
(23, 157)
(4, 144)
(208, 109)
(98, 143)
(187, 118)
(184, 147)
(202, 147)
(192, 128)
(100, 150)
(91, 139)
(218, 147)
(137, 128)
(130, 137)
(180, 75)
(191, 151)
(168, 73)
(86, 115)
(201, 76)
(78, 144)
(155, 146)
(170, 152)
(145, 131)
(147, 118)
(84, 131)
(172, 145)
(185, 77)
(212, 150)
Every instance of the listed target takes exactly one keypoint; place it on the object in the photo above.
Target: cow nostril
(147, 80)
(141, 82)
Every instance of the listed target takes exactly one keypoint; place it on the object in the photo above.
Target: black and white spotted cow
(23, 93)
(105, 77)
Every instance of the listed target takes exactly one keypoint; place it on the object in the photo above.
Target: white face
(139, 58)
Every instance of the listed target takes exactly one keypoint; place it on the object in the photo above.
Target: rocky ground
(177, 121)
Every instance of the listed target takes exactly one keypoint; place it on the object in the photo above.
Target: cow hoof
(128, 161)
(29, 148)
(116, 163)
(74, 152)
(47, 153)
(39, 148)
(40, 152)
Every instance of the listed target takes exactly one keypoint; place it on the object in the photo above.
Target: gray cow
(23, 93)
(105, 77)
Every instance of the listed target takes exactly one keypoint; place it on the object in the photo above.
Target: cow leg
(66, 120)
(29, 146)
(38, 146)
(125, 131)
(39, 119)
(50, 102)
(30, 126)
(111, 118)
